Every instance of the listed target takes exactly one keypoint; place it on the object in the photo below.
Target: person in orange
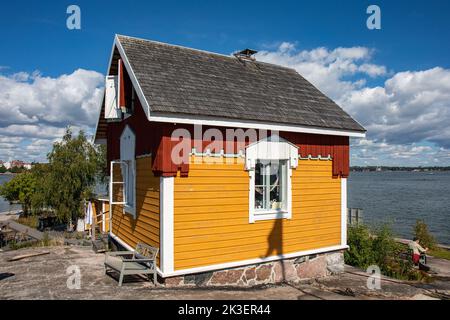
(417, 250)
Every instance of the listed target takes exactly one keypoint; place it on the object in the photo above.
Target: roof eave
(224, 122)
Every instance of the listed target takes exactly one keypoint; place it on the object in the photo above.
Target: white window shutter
(128, 158)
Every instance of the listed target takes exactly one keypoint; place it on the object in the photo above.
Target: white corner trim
(166, 224)
(132, 75)
(289, 193)
(251, 196)
(343, 211)
(103, 217)
(223, 122)
(251, 261)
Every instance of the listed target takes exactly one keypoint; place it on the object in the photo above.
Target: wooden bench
(140, 261)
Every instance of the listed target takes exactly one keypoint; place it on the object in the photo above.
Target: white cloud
(411, 107)
(35, 110)
(67, 99)
(326, 69)
(406, 118)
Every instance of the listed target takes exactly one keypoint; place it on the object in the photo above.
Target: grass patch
(440, 253)
(45, 242)
(29, 221)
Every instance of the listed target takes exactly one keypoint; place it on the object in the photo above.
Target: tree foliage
(21, 189)
(2, 169)
(74, 167)
(425, 238)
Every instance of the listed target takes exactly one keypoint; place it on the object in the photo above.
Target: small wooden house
(234, 168)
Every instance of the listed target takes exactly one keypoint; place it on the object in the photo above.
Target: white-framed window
(271, 185)
(128, 169)
(270, 162)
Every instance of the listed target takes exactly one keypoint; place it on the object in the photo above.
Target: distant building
(27, 166)
(15, 164)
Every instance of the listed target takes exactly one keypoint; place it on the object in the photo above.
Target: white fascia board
(251, 261)
(101, 104)
(134, 81)
(222, 122)
(94, 141)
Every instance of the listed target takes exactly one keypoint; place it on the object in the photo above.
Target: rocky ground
(48, 276)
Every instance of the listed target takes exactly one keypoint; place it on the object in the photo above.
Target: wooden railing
(355, 216)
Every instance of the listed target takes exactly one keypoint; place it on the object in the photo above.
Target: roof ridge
(200, 50)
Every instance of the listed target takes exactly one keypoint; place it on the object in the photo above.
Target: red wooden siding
(155, 138)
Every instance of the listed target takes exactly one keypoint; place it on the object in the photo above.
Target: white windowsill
(270, 215)
(130, 210)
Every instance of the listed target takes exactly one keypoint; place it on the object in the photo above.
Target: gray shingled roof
(181, 81)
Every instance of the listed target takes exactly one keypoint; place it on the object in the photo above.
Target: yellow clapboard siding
(242, 221)
(315, 203)
(311, 191)
(149, 204)
(207, 194)
(193, 210)
(211, 215)
(316, 197)
(218, 201)
(313, 212)
(145, 228)
(230, 247)
(208, 180)
(183, 231)
(252, 236)
(211, 187)
(210, 260)
(138, 232)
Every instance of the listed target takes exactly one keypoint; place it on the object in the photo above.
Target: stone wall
(288, 270)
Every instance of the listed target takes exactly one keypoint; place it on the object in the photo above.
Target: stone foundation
(288, 270)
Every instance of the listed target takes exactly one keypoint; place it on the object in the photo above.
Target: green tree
(75, 165)
(2, 169)
(21, 189)
(425, 238)
(41, 197)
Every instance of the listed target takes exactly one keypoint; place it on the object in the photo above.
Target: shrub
(378, 247)
(360, 252)
(425, 238)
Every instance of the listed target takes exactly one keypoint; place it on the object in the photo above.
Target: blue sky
(400, 72)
